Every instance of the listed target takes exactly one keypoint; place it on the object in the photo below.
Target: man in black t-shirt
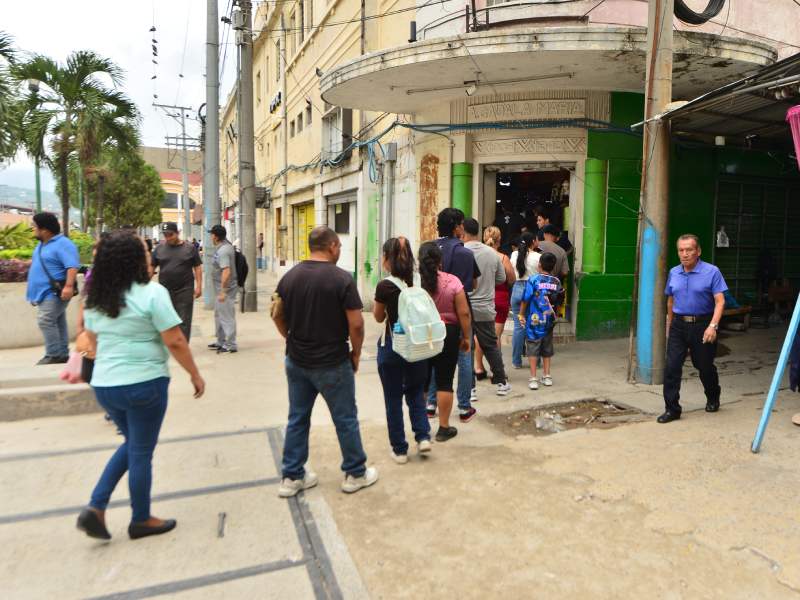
(180, 271)
(317, 308)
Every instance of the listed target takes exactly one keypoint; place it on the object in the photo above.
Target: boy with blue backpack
(542, 296)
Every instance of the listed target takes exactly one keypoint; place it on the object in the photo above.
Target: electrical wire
(185, 44)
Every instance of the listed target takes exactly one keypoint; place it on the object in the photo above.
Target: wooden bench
(742, 311)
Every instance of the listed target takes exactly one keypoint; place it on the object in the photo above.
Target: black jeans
(682, 337)
(487, 339)
(183, 302)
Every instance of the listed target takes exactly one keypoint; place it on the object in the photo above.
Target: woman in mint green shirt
(135, 328)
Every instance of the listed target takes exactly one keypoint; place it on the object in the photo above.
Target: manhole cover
(552, 418)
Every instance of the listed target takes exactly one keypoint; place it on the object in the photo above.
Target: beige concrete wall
(22, 330)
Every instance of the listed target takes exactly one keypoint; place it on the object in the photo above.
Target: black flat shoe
(90, 523)
(139, 530)
(712, 406)
(668, 417)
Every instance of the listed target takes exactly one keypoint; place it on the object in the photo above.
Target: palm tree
(69, 104)
(9, 121)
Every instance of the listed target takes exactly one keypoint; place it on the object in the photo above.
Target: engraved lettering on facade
(526, 110)
(531, 146)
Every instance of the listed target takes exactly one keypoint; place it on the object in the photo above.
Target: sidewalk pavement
(643, 510)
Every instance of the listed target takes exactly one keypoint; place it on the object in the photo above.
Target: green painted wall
(605, 302)
(604, 309)
(461, 196)
(372, 269)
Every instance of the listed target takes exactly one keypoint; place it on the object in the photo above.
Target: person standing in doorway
(695, 301)
(260, 248)
(398, 376)
(223, 276)
(317, 308)
(526, 263)
(180, 271)
(51, 285)
(482, 302)
(502, 296)
(550, 234)
(458, 261)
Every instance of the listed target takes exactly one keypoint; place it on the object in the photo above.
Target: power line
(183, 56)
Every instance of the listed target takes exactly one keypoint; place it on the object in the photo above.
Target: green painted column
(594, 215)
(462, 187)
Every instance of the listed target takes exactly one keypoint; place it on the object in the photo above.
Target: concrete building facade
(514, 105)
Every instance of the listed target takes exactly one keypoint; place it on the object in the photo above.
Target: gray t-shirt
(562, 264)
(224, 257)
(492, 272)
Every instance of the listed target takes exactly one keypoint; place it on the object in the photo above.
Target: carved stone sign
(526, 109)
(541, 145)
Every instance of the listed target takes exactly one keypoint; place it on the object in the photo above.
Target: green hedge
(20, 254)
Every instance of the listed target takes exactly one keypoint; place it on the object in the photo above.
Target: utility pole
(211, 205)
(654, 199)
(180, 117)
(38, 185)
(247, 167)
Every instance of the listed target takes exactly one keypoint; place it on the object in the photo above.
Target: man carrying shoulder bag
(51, 285)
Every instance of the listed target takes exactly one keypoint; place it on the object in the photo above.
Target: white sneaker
(353, 484)
(400, 459)
(290, 487)
(473, 395)
(503, 388)
(547, 380)
(533, 383)
(424, 446)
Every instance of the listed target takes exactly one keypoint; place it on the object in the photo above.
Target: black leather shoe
(668, 416)
(140, 530)
(712, 406)
(90, 523)
(53, 360)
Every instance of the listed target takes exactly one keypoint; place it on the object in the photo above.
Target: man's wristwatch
(714, 325)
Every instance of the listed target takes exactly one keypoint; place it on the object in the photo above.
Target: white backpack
(423, 329)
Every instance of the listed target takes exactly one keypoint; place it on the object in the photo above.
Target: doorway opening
(519, 194)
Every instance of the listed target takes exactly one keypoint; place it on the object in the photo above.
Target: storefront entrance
(303, 224)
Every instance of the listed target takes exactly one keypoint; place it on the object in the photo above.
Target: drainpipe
(387, 204)
(594, 215)
(462, 187)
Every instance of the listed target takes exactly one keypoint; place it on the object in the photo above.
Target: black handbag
(56, 285)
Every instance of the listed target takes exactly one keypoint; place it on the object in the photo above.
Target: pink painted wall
(773, 22)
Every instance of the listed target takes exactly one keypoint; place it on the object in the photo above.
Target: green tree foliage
(132, 191)
(10, 130)
(73, 112)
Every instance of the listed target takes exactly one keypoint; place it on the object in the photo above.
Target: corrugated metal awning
(745, 111)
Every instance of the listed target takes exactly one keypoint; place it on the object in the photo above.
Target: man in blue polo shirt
(459, 261)
(51, 285)
(695, 301)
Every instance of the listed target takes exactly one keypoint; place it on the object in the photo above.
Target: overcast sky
(120, 31)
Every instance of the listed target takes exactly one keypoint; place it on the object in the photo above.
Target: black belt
(693, 318)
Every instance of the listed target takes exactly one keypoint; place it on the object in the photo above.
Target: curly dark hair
(120, 262)
(397, 252)
(430, 260)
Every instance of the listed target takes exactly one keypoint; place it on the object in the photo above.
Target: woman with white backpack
(400, 377)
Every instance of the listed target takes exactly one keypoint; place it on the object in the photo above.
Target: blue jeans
(402, 378)
(52, 319)
(518, 337)
(338, 387)
(138, 410)
(466, 381)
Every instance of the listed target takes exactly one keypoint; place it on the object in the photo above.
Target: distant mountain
(26, 198)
